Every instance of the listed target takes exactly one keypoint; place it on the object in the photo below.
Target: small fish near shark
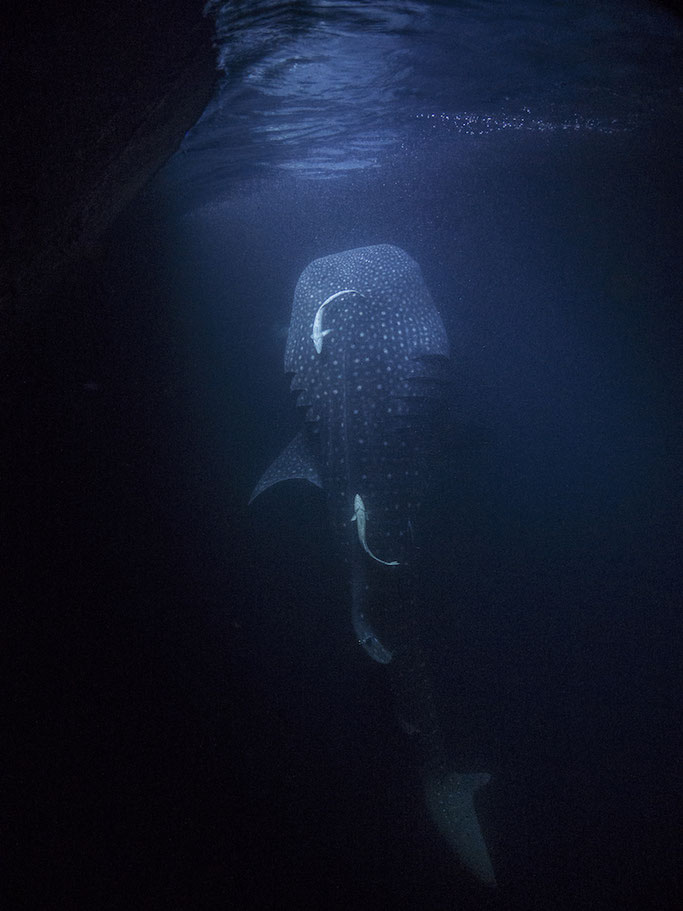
(319, 333)
(372, 383)
(360, 516)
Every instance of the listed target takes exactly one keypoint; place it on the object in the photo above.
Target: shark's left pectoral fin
(295, 462)
(450, 799)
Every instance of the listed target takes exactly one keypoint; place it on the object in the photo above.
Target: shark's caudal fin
(450, 799)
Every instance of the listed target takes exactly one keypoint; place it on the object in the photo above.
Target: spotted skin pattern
(371, 395)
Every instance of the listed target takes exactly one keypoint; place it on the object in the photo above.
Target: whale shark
(373, 400)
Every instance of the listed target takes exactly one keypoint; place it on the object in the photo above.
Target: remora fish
(361, 517)
(373, 400)
(319, 333)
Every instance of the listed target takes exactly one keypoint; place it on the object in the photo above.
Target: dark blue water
(238, 747)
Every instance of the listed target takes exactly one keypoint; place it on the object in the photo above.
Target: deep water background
(198, 727)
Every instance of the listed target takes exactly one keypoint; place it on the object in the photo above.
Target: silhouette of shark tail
(450, 799)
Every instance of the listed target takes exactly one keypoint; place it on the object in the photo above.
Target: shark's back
(390, 322)
(372, 392)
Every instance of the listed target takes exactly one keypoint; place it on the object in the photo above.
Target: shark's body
(373, 398)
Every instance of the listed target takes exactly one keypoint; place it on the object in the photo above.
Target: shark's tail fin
(450, 799)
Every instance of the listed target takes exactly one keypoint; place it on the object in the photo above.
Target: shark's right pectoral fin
(295, 462)
(450, 799)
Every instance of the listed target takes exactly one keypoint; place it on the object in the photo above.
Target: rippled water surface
(324, 88)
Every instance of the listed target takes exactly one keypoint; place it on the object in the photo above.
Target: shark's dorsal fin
(295, 462)
(366, 635)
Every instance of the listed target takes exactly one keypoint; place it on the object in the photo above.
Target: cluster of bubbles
(472, 124)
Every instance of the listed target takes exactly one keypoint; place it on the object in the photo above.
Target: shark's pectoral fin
(295, 462)
(450, 800)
